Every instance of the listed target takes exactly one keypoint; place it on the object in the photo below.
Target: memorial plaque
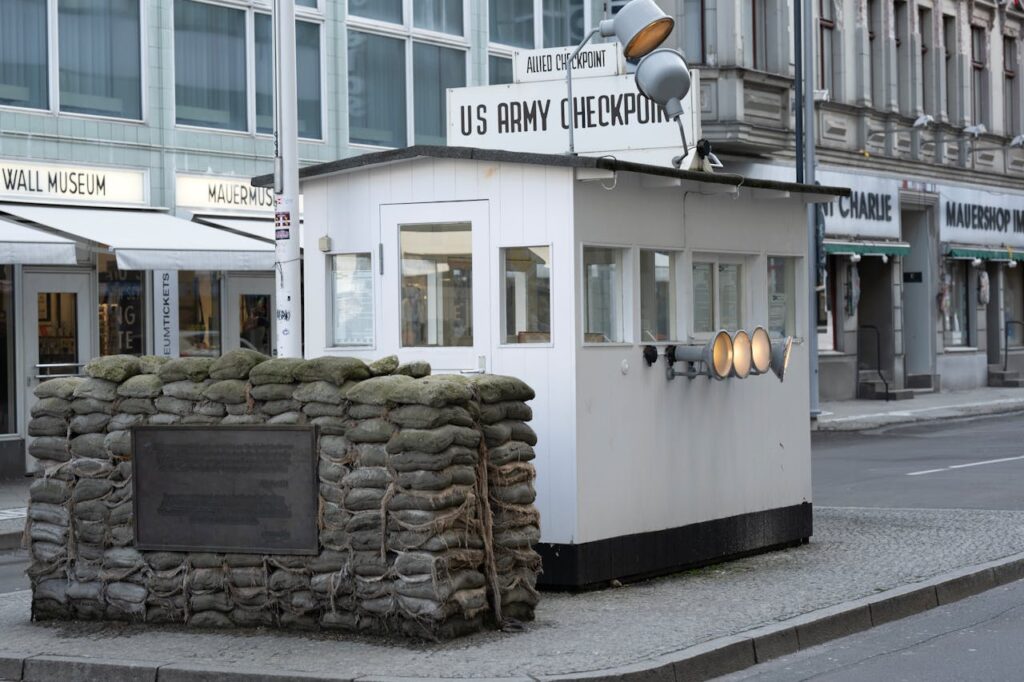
(246, 489)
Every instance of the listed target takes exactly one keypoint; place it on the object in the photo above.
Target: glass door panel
(58, 333)
(249, 319)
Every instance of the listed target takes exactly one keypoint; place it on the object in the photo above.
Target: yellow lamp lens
(760, 350)
(721, 355)
(649, 38)
(741, 354)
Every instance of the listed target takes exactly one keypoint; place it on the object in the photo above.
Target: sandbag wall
(425, 491)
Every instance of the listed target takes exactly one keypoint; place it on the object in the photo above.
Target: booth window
(199, 314)
(526, 296)
(121, 311)
(717, 296)
(353, 299)
(781, 296)
(1013, 305)
(657, 296)
(602, 294)
(402, 59)
(437, 285)
(956, 306)
(7, 385)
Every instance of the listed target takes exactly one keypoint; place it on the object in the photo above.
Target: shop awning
(23, 245)
(258, 228)
(148, 239)
(970, 252)
(866, 248)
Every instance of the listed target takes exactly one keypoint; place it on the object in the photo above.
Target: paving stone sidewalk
(855, 553)
(858, 415)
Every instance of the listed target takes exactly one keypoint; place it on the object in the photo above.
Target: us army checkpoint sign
(611, 115)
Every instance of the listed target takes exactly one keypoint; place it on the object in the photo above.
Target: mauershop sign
(610, 115)
(28, 181)
(531, 66)
(974, 216)
(871, 210)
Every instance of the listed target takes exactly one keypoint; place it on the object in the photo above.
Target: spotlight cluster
(737, 355)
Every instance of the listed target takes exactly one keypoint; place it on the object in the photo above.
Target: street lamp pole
(812, 231)
(287, 221)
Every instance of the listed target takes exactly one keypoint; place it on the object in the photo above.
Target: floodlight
(760, 351)
(781, 351)
(640, 26)
(663, 77)
(714, 358)
(741, 355)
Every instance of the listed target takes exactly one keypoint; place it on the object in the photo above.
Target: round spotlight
(641, 26)
(760, 350)
(721, 355)
(741, 354)
(781, 351)
(664, 78)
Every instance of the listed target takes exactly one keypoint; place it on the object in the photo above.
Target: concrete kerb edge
(875, 421)
(701, 662)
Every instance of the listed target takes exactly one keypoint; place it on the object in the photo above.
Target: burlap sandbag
(236, 364)
(333, 369)
(386, 365)
(63, 387)
(186, 390)
(275, 371)
(182, 369)
(99, 389)
(115, 368)
(52, 407)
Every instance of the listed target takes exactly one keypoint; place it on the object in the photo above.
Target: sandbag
(181, 369)
(98, 389)
(319, 392)
(272, 391)
(416, 370)
(62, 387)
(386, 365)
(114, 368)
(186, 390)
(141, 386)
(47, 426)
(275, 371)
(236, 364)
(376, 391)
(91, 406)
(50, 447)
(432, 391)
(230, 391)
(333, 369)
(89, 445)
(52, 407)
(89, 423)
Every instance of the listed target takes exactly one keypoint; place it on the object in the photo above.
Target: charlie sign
(611, 115)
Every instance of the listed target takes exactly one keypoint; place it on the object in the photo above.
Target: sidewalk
(858, 415)
(13, 501)
(862, 567)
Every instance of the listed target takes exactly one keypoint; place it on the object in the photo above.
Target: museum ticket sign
(246, 489)
(611, 115)
(83, 184)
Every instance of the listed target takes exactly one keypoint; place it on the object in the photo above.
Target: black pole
(798, 79)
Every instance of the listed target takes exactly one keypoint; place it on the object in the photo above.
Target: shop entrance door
(60, 330)
(436, 284)
(250, 314)
(918, 300)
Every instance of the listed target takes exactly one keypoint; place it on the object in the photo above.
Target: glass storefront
(7, 382)
(121, 312)
(199, 333)
(254, 322)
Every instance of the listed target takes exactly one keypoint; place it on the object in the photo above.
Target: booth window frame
(625, 296)
(502, 330)
(676, 303)
(411, 36)
(743, 300)
(331, 340)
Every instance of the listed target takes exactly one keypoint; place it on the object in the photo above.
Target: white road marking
(964, 466)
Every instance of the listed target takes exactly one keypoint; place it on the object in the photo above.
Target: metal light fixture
(781, 351)
(663, 77)
(641, 26)
(742, 352)
(714, 359)
(760, 351)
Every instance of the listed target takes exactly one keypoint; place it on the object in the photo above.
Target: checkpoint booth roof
(584, 276)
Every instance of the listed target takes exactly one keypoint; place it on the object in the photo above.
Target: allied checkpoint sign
(612, 117)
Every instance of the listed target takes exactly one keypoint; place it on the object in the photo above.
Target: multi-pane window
(532, 24)
(603, 309)
(826, 45)
(755, 19)
(437, 285)
(956, 306)
(693, 31)
(717, 296)
(901, 20)
(389, 107)
(949, 42)
(781, 296)
(212, 68)
(657, 296)
(526, 294)
(874, 76)
(1011, 88)
(352, 289)
(925, 65)
(979, 94)
(99, 65)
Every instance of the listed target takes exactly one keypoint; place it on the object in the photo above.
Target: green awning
(984, 253)
(864, 248)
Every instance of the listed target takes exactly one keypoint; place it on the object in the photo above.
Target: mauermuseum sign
(226, 489)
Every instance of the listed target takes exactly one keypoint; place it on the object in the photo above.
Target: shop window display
(1013, 305)
(121, 312)
(199, 314)
(954, 302)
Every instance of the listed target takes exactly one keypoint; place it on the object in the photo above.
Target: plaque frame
(314, 483)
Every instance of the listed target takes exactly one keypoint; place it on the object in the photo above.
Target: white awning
(23, 245)
(150, 240)
(260, 228)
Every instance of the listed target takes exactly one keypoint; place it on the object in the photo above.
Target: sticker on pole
(282, 234)
(283, 219)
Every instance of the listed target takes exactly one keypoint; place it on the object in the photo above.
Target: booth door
(250, 314)
(59, 335)
(436, 284)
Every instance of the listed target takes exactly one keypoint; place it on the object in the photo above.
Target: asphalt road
(967, 464)
(12, 571)
(977, 639)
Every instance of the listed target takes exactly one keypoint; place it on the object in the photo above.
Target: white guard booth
(563, 270)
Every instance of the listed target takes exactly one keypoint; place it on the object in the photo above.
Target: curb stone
(897, 418)
(700, 662)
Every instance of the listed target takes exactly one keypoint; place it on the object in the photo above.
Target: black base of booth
(12, 458)
(645, 555)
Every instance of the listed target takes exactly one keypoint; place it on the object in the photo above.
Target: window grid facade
(532, 24)
(1011, 88)
(979, 75)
